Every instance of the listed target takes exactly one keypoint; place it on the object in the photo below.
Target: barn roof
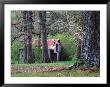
(51, 43)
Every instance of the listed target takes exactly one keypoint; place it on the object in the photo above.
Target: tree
(88, 50)
(90, 45)
(27, 30)
(45, 56)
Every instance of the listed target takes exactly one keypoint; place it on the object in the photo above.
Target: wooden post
(58, 56)
(49, 53)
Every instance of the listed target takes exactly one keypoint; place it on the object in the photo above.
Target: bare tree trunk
(27, 16)
(78, 51)
(45, 56)
(90, 51)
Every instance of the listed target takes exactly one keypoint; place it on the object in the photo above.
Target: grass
(62, 73)
(61, 63)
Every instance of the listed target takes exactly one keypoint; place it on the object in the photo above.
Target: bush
(14, 51)
(37, 54)
(68, 45)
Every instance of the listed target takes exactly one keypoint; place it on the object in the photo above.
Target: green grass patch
(60, 63)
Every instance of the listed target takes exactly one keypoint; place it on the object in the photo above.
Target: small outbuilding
(54, 49)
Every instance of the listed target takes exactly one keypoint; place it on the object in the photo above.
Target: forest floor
(59, 69)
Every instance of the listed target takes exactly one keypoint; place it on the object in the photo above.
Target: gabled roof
(51, 43)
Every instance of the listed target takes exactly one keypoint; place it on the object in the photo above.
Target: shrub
(37, 54)
(14, 51)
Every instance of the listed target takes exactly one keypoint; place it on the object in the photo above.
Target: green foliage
(37, 54)
(58, 24)
(14, 51)
(68, 45)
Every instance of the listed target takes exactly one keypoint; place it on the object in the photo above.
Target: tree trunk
(90, 45)
(45, 56)
(78, 50)
(27, 16)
